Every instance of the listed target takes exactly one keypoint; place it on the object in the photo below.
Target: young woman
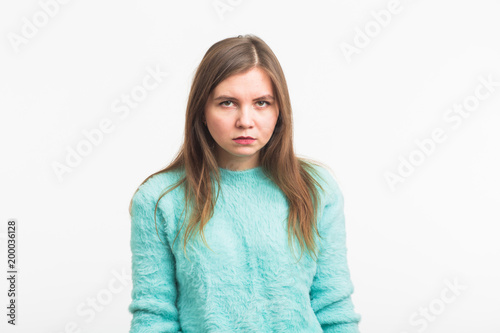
(237, 183)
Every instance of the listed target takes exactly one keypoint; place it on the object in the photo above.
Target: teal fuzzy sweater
(250, 281)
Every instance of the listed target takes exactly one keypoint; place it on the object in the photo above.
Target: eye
(264, 102)
(222, 103)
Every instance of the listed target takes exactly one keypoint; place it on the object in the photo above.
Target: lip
(244, 140)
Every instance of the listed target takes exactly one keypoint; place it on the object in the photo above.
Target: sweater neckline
(247, 174)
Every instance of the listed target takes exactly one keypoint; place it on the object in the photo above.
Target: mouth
(244, 140)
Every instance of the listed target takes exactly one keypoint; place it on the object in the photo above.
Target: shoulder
(326, 178)
(150, 190)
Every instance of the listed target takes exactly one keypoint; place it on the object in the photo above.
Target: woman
(237, 182)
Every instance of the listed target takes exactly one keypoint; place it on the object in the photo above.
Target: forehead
(254, 81)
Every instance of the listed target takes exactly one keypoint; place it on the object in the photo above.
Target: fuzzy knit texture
(249, 281)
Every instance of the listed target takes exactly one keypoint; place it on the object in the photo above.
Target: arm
(154, 291)
(332, 287)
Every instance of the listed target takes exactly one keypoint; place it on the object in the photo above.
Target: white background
(361, 114)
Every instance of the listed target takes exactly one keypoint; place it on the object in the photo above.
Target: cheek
(267, 126)
(219, 128)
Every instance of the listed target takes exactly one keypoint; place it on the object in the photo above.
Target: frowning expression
(242, 105)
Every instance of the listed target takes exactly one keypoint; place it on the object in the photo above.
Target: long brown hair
(292, 174)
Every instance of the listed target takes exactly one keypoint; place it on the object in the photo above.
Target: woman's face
(241, 105)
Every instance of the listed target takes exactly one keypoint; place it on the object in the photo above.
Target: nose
(244, 118)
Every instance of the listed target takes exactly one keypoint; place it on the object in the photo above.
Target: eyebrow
(226, 97)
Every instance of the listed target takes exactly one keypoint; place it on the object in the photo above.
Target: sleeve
(331, 288)
(154, 289)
